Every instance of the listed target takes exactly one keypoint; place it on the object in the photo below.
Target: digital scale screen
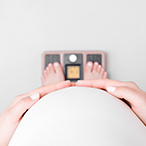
(73, 72)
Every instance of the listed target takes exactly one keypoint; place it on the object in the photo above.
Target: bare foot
(53, 74)
(94, 71)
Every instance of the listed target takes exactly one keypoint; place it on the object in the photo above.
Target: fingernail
(56, 64)
(111, 89)
(35, 96)
(89, 64)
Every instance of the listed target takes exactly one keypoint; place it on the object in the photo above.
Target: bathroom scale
(73, 62)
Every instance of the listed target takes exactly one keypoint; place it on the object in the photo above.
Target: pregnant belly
(79, 116)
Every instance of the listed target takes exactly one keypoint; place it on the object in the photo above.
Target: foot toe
(89, 66)
(99, 69)
(51, 68)
(43, 79)
(105, 75)
(47, 71)
(58, 67)
(95, 66)
(102, 72)
(45, 74)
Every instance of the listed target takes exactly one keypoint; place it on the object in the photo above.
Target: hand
(123, 90)
(12, 115)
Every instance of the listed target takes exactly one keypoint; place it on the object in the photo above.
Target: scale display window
(73, 72)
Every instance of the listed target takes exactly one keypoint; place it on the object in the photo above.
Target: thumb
(130, 95)
(22, 106)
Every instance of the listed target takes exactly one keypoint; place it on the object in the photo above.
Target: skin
(54, 73)
(123, 90)
(12, 115)
(52, 80)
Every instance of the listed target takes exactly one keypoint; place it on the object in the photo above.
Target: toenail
(56, 64)
(99, 66)
(50, 64)
(89, 64)
(96, 63)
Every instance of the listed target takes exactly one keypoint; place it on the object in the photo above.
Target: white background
(30, 27)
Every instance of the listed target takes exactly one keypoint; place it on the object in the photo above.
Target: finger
(43, 90)
(50, 88)
(104, 83)
(137, 99)
(73, 83)
(22, 106)
(99, 83)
